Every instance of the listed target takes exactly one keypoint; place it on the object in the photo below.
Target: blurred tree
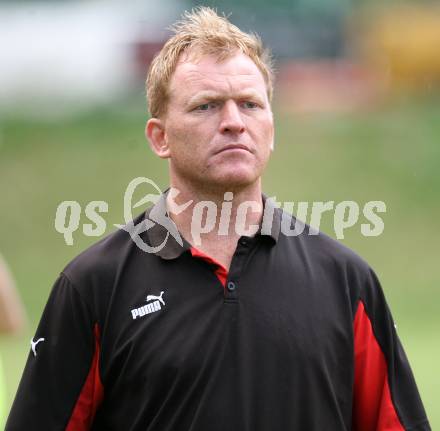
(293, 29)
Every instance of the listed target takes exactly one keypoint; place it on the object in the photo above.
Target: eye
(206, 106)
(249, 105)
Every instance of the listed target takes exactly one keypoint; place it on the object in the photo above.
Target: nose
(231, 120)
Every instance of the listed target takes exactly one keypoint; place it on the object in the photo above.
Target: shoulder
(317, 244)
(96, 268)
(324, 256)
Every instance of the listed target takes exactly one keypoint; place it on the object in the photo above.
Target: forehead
(207, 73)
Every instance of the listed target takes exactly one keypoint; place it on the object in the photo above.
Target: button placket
(237, 264)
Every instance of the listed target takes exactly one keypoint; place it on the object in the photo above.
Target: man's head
(209, 94)
(202, 32)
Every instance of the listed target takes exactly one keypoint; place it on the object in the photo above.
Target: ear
(155, 133)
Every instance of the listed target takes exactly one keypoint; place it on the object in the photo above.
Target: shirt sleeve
(385, 393)
(61, 387)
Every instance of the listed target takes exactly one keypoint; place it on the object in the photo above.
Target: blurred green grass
(391, 154)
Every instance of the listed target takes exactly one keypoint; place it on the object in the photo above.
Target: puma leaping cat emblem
(34, 345)
(157, 298)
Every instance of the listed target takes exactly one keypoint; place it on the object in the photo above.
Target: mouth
(234, 147)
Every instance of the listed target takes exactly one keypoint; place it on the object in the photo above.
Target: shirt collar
(164, 230)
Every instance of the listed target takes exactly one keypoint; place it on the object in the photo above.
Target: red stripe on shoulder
(221, 272)
(91, 395)
(373, 408)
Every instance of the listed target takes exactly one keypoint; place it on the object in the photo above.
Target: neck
(216, 218)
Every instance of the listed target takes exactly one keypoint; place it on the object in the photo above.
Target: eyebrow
(208, 95)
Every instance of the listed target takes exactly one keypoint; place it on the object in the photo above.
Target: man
(225, 330)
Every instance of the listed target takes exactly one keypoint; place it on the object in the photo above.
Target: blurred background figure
(12, 321)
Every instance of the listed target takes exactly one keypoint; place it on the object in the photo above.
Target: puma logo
(158, 298)
(34, 345)
(149, 308)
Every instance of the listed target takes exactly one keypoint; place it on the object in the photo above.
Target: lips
(233, 147)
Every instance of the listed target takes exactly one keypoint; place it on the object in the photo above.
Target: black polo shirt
(295, 336)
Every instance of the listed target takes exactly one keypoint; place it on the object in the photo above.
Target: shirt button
(231, 286)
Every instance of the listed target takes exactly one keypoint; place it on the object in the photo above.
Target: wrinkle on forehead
(219, 79)
(199, 76)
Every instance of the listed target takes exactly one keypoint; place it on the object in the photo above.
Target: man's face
(218, 128)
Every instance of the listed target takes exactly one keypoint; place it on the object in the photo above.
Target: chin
(234, 179)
